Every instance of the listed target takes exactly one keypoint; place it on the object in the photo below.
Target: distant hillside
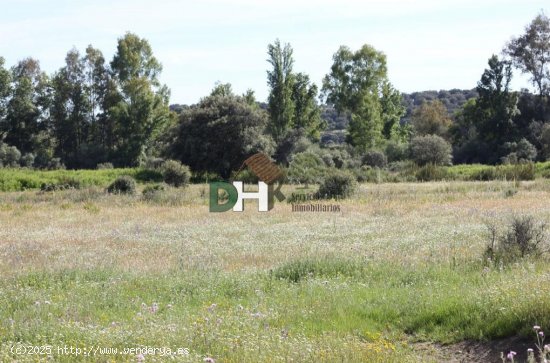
(453, 99)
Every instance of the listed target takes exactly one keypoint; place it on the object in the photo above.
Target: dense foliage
(92, 113)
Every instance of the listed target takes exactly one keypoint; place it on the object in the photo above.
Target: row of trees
(91, 112)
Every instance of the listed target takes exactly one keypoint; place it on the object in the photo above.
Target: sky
(429, 44)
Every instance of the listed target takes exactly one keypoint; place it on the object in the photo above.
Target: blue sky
(429, 44)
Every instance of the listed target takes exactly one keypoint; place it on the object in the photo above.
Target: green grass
(400, 264)
(23, 179)
(28, 179)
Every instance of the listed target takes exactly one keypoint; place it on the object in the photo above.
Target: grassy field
(20, 179)
(392, 277)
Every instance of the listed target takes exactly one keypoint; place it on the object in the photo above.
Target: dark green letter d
(232, 194)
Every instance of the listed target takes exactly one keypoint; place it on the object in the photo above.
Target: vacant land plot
(396, 275)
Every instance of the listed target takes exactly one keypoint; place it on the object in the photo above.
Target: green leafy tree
(218, 134)
(307, 114)
(71, 108)
(530, 52)
(353, 77)
(357, 85)
(496, 104)
(486, 123)
(366, 125)
(143, 106)
(281, 81)
(430, 149)
(292, 102)
(102, 94)
(5, 91)
(392, 109)
(28, 105)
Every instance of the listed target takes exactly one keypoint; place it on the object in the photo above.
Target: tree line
(92, 112)
(89, 111)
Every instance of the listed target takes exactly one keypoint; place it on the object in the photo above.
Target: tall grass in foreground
(401, 264)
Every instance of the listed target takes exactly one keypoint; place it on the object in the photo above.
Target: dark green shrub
(11, 156)
(337, 184)
(397, 151)
(306, 168)
(341, 158)
(524, 237)
(67, 182)
(375, 158)
(27, 160)
(519, 152)
(124, 184)
(485, 174)
(430, 149)
(175, 174)
(63, 183)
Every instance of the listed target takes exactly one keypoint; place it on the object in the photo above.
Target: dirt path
(479, 352)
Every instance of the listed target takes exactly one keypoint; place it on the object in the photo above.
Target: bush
(124, 184)
(306, 167)
(431, 172)
(175, 174)
(9, 156)
(397, 151)
(524, 237)
(152, 192)
(337, 184)
(103, 166)
(27, 160)
(64, 183)
(485, 174)
(337, 157)
(375, 159)
(519, 152)
(430, 149)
